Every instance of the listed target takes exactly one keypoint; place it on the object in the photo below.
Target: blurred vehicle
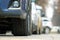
(46, 24)
(36, 17)
(15, 16)
(56, 29)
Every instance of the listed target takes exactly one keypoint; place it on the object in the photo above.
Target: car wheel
(2, 32)
(22, 27)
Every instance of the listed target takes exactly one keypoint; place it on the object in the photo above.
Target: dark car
(15, 15)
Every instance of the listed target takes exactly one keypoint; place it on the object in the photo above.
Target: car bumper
(13, 13)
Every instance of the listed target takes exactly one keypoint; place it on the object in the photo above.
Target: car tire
(2, 32)
(22, 27)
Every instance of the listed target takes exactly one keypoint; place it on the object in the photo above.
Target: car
(15, 16)
(36, 16)
(56, 29)
(46, 25)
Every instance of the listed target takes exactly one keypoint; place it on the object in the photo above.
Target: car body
(46, 23)
(10, 10)
(56, 29)
(36, 17)
(15, 15)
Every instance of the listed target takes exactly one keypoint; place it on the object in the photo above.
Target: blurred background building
(51, 9)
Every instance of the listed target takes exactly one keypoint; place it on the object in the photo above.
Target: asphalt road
(10, 36)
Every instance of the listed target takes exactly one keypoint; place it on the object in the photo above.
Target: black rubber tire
(22, 27)
(2, 32)
(28, 24)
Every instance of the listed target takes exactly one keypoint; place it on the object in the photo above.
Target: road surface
(10, 36)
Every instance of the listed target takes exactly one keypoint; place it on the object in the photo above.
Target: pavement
(32, 37)
(52, 36)
(9, 36)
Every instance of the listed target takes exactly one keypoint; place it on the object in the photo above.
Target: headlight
(15, 4)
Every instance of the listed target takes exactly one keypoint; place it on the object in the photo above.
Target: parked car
(56, 29)
(36, 16)
(46, 24)
(15, 16)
